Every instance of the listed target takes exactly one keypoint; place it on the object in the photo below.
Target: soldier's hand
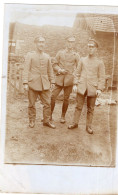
(62, 71)
(75, 88)
(52, 86)
(26, 88)
(98, 93)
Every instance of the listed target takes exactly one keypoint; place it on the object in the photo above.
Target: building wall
(108, 52)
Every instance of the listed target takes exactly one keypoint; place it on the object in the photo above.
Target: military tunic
(90, 75)
(38, 71)
(68, 61)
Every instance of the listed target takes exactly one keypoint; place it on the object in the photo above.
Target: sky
(42, 18)
(59, 15)
(40, 15)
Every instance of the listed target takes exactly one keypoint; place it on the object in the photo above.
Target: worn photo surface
(62, 70)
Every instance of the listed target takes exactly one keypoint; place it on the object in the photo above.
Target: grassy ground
(42, 145)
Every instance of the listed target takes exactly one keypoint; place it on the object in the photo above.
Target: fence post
(10, 75)
(15, 80)
(20, 79)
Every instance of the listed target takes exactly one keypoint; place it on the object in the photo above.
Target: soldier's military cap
(92, 42)
(38, 39)
(71, 39)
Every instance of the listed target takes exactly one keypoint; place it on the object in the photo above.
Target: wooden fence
(15, 80)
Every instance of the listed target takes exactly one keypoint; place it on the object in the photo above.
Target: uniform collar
(67, 51)
(39, 53)
(92, 57)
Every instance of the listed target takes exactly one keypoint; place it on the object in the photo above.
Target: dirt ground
(60, 146)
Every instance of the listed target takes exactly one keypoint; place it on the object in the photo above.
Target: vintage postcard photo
(62, 70)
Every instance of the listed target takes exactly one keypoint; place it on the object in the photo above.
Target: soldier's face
(92, 49)
(40, 45)
(70, 44)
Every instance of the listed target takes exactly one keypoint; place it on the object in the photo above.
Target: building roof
(100, 22)
(104, 24)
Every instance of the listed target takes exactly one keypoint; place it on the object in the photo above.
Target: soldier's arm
(50, 72)
(77, 72)
(77, 59)
(27, 64)
(101, 76)
(55, 64)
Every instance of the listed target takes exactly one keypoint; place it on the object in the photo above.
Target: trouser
(45, 99)
(90, 108)
(55, 93)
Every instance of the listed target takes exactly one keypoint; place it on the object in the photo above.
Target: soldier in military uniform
(88, 82)
(65, 63)
(38, 78)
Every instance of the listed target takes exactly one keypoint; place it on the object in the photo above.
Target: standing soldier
(65, 62)
(89, 81)
(38, 78)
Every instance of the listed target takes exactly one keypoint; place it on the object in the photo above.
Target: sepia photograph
(62, 71)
